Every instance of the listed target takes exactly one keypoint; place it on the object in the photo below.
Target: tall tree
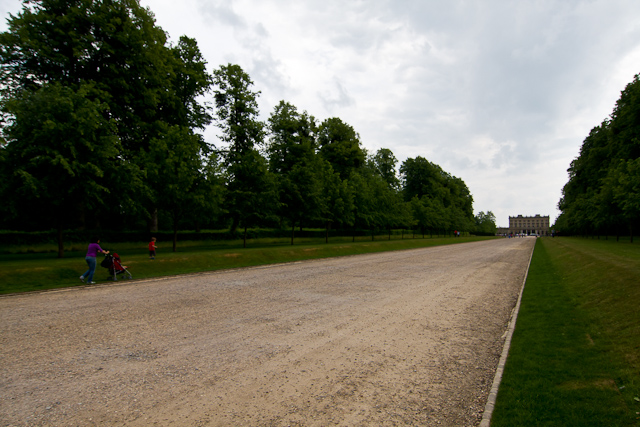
(419, 178)
(251, 191)
(338, 200)
(114, 44)
(112, 51)
(388, 204)
(384, 163)
(292, 138)
(460, 202)
(430, 214)
(591, 202)
(424, 180)
(364, 215)
(625, 124)
(177, 163)
(191, 82)
(299, 170)
(237, 111)
(623, 182)
(376, 205)
(207, 202)
(242, 131)
(60, 150)
(340, 145)
(485, 223)
(301, 193)
(182, 115)
(585, 174)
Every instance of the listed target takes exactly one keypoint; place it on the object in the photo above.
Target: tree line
(102, 120)
(602, 195)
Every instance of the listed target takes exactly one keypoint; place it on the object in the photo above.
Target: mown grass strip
(41, 271)
(574, 357)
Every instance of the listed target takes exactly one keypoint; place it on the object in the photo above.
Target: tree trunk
(244, 240)
(175, 238)
(234, 224)
(175, 230)
(293, 231)
(326, 234)
(60, 242)
(153, 221)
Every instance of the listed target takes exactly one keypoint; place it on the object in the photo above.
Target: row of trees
(101, 128)
(602, 195)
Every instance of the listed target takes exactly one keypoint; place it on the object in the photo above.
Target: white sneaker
(82, 279)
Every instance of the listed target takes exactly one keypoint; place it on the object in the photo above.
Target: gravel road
(399, 338)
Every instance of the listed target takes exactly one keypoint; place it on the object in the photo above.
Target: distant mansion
(527, 225)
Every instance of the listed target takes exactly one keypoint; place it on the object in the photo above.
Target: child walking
(152, 248)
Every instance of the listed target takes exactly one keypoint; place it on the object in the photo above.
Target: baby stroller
(112, 263)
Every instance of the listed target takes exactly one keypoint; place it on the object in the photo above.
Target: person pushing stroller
(92, 252)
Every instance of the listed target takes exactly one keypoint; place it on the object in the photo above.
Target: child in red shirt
(152, 248)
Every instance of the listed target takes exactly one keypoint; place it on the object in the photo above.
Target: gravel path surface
(400, 338)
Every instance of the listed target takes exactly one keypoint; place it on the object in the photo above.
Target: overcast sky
(500, 93)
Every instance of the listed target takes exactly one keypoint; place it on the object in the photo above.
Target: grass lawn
(27, 271)
(575, 354)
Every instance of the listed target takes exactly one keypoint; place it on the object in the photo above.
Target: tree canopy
(101, 120)
(602, 191)
(107, 86)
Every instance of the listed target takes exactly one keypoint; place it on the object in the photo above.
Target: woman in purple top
(92, 253)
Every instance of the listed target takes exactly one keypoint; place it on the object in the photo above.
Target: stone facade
(502, 231)
(538, 224)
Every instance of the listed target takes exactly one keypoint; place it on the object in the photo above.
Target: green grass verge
(575, 354)
(24, 272)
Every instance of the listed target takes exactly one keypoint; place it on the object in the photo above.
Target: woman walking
(92, 253)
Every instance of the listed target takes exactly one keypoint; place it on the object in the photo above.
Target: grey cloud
(253, 38)
(267, 72)
(335, 97)
(511, 68)
(221, 12)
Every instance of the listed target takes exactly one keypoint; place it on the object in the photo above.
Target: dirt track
(401, 338)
